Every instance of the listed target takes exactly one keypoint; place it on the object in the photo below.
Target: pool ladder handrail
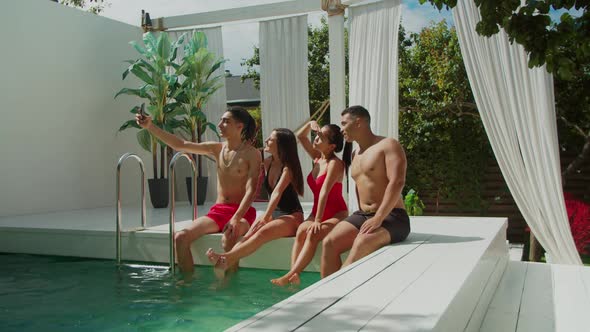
(118, 197)
(171, 181)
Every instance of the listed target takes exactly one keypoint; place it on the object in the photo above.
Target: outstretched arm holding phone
(205, 148)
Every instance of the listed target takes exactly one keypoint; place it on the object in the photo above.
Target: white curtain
(284, 91)
(215, 107)
(517, 108)
(373, 54)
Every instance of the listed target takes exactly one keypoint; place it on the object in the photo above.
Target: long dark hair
(347, 155)
(287, 146)
(336, 137)
(241, 115)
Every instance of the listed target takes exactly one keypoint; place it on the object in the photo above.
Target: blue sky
(239, 39)
(416, 16)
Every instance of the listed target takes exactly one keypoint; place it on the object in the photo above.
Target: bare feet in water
(220, 263)
(187, 278)
(213, 257)
(282, 281)
(292, 279)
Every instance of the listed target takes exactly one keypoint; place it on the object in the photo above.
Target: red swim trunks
(221, 213)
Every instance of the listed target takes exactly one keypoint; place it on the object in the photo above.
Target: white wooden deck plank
(497, 320)
(533, 323)
(509, 292)
(502, 314)
(585, 271)
(466, 309)
(296, 310)
(352, 312)
(419, 307)
(363, 303)
(476, 319)
(536, 307)
(537, 295)
(571, 301)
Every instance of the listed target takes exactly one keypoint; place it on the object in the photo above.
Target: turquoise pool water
(46, 293)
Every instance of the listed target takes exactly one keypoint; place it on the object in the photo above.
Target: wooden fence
(499, 201)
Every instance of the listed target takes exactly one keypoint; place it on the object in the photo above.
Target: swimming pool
(48, 293)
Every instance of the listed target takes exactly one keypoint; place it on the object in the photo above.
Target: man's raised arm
(208, 148)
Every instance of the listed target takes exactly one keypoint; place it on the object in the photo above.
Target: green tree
(96, 6)
(256, 114)
(436, 100)
(440, 128)
(564, 44)
(573, 119)
(252, 65)
(318, 64)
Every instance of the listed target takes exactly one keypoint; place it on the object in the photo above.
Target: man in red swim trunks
(238, 166)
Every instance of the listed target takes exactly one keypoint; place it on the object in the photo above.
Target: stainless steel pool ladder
(172, 180)
(171, 200)
(143, 221)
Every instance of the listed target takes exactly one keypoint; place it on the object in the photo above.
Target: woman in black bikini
(283, 214)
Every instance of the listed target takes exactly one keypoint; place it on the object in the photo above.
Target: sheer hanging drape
(215, 107)
(517, 109)
(373, 62)
(284, 91)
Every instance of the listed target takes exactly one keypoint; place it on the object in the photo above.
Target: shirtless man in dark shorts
(238, 168)
(379, 171)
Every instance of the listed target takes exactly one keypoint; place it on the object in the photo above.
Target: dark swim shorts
(397, 223)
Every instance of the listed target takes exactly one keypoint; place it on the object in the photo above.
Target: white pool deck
(91, 233)
(451, 274)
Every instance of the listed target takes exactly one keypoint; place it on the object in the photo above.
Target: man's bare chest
(238, 170)
(367, 164)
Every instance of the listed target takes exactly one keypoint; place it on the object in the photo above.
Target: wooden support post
(535, 249)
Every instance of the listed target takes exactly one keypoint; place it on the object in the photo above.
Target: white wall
(60, 69)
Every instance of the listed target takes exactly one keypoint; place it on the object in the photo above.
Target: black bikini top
(289, 201)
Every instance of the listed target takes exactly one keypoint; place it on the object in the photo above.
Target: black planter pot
(158, 192)
(201, 189)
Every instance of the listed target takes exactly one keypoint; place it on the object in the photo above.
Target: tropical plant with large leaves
(159, 86)
(197, 69)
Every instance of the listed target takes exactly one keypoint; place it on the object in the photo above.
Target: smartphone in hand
(142, 110)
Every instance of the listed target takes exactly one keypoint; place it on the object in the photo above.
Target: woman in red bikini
(283, 214)
(325, 181)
